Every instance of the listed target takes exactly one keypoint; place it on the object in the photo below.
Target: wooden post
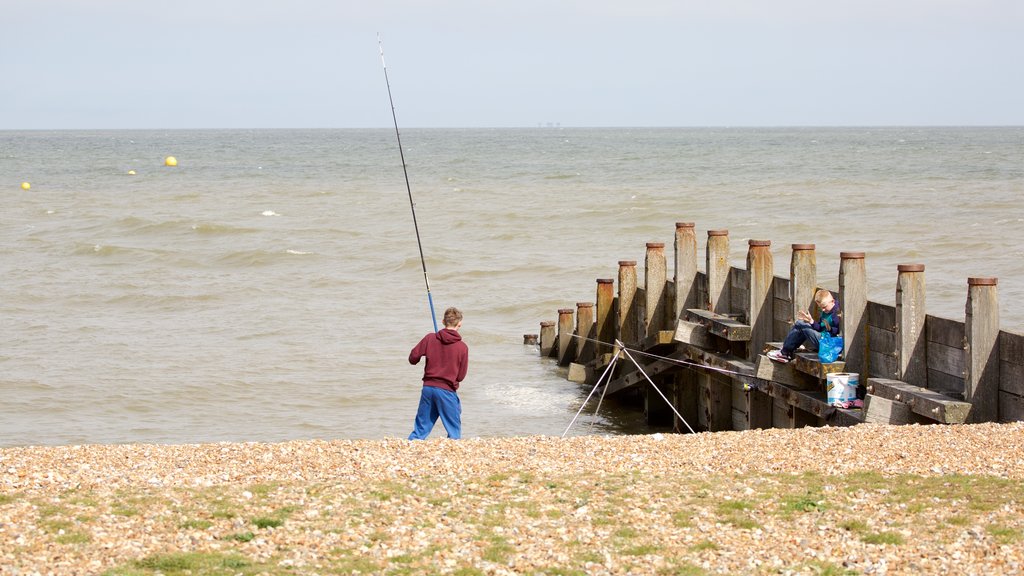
(911, 347)
(718, 271)
(761, 267)
(566, 342)
(981, 377)
(685, 279)
(853, 298)
(655, 275)
(547, 339)
(687, 392)
(628, 317)
(605, 330)
(584, 332)
(803, 279)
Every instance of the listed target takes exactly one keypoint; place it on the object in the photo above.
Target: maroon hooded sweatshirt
(447, 359)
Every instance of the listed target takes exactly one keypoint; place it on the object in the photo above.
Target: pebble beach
(870, 499)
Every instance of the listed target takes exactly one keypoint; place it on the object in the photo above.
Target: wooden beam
(719, 325)
(881, 410)
(660, 366)
(921, 400)
(761, 272)
(691, 333)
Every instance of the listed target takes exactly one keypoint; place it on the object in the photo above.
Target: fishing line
(405, 170)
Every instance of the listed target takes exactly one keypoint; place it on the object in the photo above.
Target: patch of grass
(803, 503)
(265, 522)
(498, 550)
(192, 562)
(882, 538)
(1004, 534)
(469, 572)
(195, 524)
(642, 550)
(241, 536)
(7, 498)
(626, 532)
(958, 520)
(681, 519)
(858, 526)
(704, 545)
(684, 569)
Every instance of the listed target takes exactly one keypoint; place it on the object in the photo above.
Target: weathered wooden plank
(739, 278)
(882, 316)
(803, 275)
(685, 278)
(946, 384)
(577, 373)
(853, 285)
(1011, 347)
(1011, 407)
(718, 404)
(717, 270)
(882, 365)
(548, 345)
(945, 331)
(760, 272)
(981, 366)
(586, 332)
(910, 325)
(945, 359)
(778, 372)
(723, 361)
(604, 318)
(692, 333)
(1011, 378)
(881, 341)
(687, 400)
(655, 276)
(815, 406)
(566, 339)
(661, 338)
(655, 368)
(628, 307)
(719, 325)
(780, 288)
(782, 414)
(739, 419)
(881, 410)
(921, 400)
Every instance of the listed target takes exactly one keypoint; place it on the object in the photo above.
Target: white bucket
(841, 387)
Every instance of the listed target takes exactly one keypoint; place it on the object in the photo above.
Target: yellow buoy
(25, 185)
(131, 172)
(170, 161)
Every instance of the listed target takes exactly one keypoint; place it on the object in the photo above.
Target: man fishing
(447, 360)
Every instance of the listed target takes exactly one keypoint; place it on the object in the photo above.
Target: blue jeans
(434, 403)
(801, 333)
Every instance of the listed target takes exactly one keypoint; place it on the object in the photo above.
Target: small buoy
(170, 161)
(25, 185)
(131, 172)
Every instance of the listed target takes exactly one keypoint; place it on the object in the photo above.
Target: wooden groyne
(700, 338)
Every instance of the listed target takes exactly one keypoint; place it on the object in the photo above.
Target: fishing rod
(405, 170)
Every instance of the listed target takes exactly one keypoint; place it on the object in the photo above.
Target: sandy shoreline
(803, 501)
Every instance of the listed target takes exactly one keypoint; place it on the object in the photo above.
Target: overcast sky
(480, 63)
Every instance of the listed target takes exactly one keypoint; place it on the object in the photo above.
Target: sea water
(270, 286)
